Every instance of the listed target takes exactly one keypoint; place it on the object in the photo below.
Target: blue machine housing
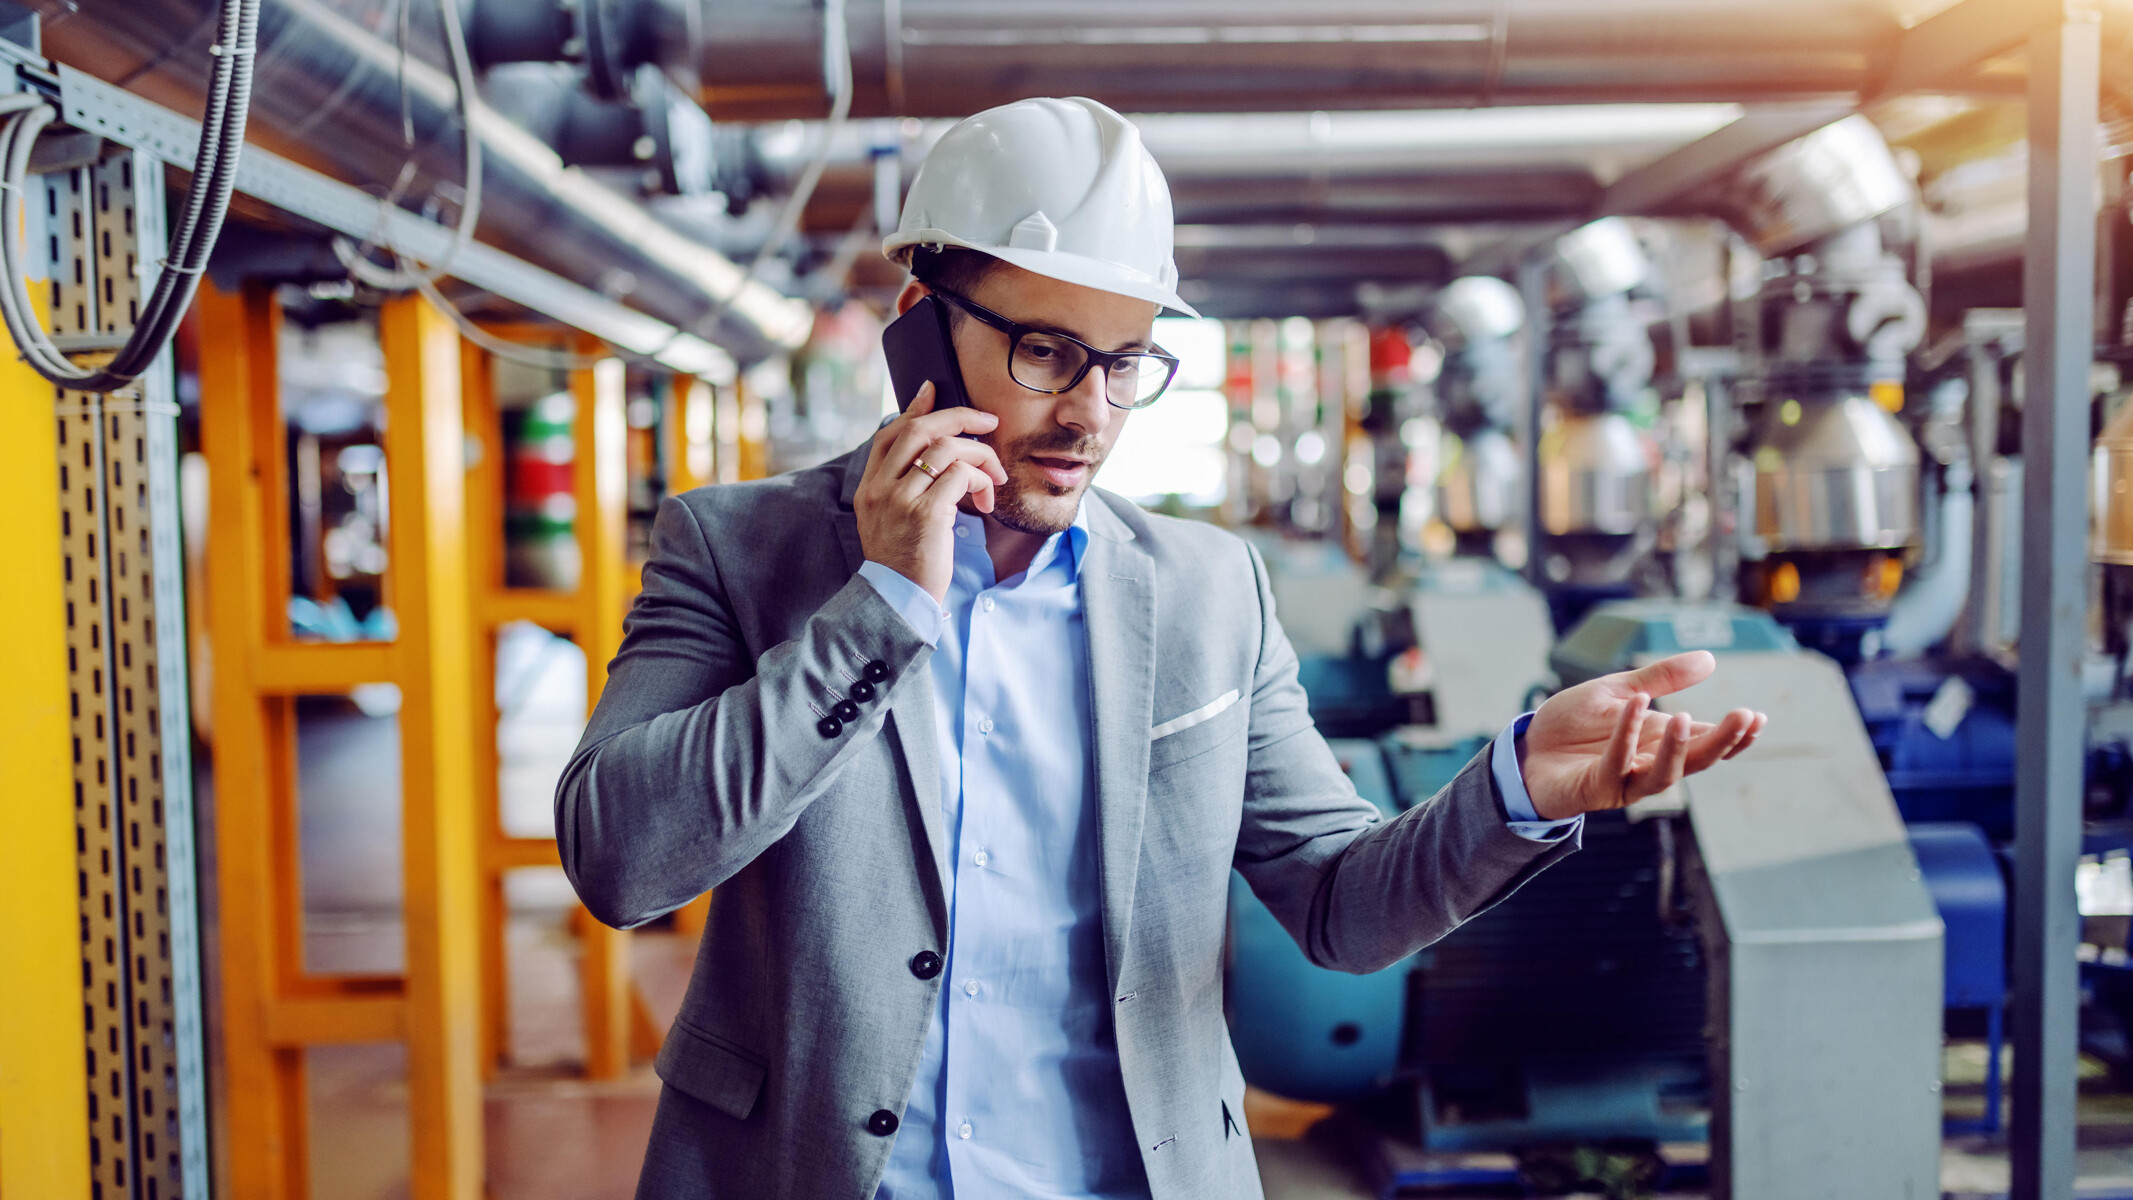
(1300, 1030)
(1962, 771)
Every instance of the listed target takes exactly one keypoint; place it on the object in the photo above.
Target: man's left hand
(1599, 746)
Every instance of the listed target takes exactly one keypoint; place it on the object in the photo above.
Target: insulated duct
(947, 58)
(328, 94)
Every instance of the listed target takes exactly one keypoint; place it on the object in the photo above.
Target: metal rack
(617, 1028)
(273, 1009)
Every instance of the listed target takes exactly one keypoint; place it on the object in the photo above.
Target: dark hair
(952, 267)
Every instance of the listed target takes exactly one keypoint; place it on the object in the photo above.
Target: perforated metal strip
(124, 573)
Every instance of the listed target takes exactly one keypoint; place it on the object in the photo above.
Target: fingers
(920, 405)
(958, 479)
(1671, 674)
(1615, 761)
(946, 453)
(1667, 764)
(902, 440)
(1755, 727)
(1720, 742)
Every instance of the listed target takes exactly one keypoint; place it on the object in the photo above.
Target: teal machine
(1758, 951)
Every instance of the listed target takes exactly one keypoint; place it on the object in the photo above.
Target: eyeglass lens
(1048, 363)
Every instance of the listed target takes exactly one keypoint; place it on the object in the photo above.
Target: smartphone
(919, 350)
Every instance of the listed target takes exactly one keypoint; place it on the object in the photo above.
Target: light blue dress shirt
(1019, 1091)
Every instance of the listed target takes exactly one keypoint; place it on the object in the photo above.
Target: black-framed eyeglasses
(1048, 362)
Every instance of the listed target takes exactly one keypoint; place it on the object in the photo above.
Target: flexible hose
(199, 226)
(403, 277)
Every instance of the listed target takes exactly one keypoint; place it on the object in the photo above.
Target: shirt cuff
(913, 603)
(1523, 819)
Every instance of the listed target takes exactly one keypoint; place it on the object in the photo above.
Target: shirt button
(962, 531)
(981, 858)
(964, 1131)
(987, 603)
(970, 988)
(985, 726)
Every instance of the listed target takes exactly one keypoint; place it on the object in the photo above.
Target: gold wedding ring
(922, 465)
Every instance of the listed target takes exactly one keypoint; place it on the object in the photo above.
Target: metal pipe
(952, 59)
(2058, 294)
(328, 94)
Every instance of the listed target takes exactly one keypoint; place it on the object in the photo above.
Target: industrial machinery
(1830, 477)
(1736, 945)
(1595, 518)
(1702, 968)
(1481, 485)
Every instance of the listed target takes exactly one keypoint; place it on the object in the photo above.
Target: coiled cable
(207, 203)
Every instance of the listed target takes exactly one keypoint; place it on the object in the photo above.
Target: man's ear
(913, 292)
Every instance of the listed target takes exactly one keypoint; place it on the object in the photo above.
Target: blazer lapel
(1118, 611)
(910, 721)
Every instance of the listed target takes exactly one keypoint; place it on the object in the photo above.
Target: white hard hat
(1063, 188)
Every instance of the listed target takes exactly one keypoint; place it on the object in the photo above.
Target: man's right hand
(906, 515)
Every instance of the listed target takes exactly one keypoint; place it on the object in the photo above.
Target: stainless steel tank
(1833, 475)
(2111, 506)
(1595, 476)
(1478, 488)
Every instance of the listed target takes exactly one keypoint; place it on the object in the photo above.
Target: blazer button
(845, 710)
(863, 691)
(876, 671)
(882, 1123)
(925, 964)
(829, 727)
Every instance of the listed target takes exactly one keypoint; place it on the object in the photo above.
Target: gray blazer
(706, 765)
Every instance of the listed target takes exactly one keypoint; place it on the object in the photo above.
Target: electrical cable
(199, 227)
(401, 277)
(532, 356)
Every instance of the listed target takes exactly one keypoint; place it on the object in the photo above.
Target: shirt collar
(1066, 546)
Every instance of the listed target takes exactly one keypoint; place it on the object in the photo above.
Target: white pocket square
(1211, 709)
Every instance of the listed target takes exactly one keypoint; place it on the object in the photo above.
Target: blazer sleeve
(699, 756)
(1356, 891)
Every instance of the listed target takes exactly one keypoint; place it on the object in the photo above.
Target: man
(969, 751)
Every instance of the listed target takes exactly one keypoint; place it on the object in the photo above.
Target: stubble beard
(1040, 507)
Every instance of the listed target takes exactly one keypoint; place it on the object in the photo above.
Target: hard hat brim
(1052, 264)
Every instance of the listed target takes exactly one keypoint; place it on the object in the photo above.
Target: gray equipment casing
(1825, 951)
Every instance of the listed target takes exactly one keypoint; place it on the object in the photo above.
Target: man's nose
(1085, 407)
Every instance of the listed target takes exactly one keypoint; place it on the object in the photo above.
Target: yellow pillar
(44, 1112)
(602, 477)
(424, 442)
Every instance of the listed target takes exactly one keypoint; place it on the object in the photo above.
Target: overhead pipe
(328, 94)
(939, 58)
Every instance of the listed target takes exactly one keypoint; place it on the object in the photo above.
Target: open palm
(1599, 745)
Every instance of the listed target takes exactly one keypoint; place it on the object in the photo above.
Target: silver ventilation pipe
(954, 57)
(328, 94)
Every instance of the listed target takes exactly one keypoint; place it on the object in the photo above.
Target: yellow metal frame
(618, 1028)
(691, 422)
(272, 1009)
(44, 1111)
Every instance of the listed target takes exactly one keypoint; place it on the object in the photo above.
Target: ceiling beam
(1943, 51)
(1658, 185)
